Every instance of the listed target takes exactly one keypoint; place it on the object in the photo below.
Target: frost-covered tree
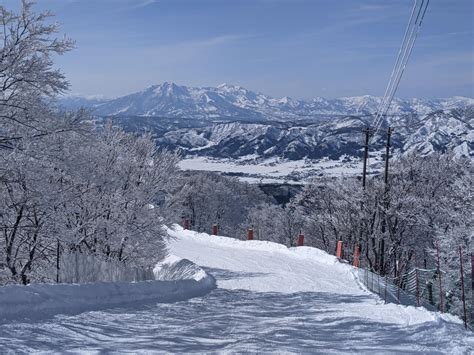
(27, 78)
(27, 74)
(210, 198)
(276, 223)
(427, 200)
(117, 183)
(333, 210)
(29, 194)
(62, 181)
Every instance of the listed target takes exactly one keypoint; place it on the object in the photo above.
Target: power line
(409, 39)
(395, 67)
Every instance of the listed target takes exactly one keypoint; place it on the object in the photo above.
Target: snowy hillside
(332, 138)
(268, 298)
(232, 122)
(235, 102)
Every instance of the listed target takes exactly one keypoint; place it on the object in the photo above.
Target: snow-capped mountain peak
(235, 102)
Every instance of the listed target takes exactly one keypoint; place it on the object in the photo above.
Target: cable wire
(394, 70)
(409, 39)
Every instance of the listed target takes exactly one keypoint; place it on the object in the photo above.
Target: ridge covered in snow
(439, 131)
(235, 102)
(231, 122)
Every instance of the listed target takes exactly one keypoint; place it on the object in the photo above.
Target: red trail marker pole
(185, 223)
(462, 288)
(215, 229)
(300, 241)
(356, 257)
(250, 234)
(339, 249)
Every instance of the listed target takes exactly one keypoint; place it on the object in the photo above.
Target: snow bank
(262, 266)
(176, 268)
(176, 280)
(256, 245)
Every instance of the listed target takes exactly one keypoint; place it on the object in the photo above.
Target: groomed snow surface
(268, 298)
(177, 279)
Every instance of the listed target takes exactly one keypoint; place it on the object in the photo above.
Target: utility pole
(385, 197)
(387, 156)
(366, 132)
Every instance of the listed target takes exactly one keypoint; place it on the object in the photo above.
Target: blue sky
(299, 48)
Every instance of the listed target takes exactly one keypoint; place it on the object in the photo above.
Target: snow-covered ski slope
(176, 279)
(269, 299)
(323, 305)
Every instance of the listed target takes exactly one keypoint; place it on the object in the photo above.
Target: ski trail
(269, 298)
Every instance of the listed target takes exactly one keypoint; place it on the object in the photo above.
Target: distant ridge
(237, 103)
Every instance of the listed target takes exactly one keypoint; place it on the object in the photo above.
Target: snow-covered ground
(269, 298)
(176, 279)
(277, 170)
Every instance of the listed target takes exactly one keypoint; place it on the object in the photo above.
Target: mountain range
(230, 102)
(232, 122)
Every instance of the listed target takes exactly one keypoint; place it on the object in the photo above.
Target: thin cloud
(220, 40)
(139, 4)
(190, 50)
(209, 42)
(447, 35)
(373, 7)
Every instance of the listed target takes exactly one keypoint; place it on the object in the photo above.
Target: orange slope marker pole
(300, 242)
(356, 262)
(250, 234)
(339, 250)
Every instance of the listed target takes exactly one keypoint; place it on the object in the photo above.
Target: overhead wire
(409, 39)
(409, 51)
(399, 70)
(394, 70)
(409, 31)
(407, 55)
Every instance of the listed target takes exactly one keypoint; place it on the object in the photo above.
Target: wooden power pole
(366, 132)
(387, 156)
(385, 200)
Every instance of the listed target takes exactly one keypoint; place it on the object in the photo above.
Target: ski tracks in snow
(269, 298)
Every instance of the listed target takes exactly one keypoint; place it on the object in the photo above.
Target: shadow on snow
(233, 320)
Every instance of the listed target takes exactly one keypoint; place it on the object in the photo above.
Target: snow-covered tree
(426, 200)
(119, 185)
(27, 75)
(276, 223)
(210, 198)
(63, 181)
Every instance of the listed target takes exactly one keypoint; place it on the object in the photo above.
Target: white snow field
(176, 279)
(269, 299)
(275, 170)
